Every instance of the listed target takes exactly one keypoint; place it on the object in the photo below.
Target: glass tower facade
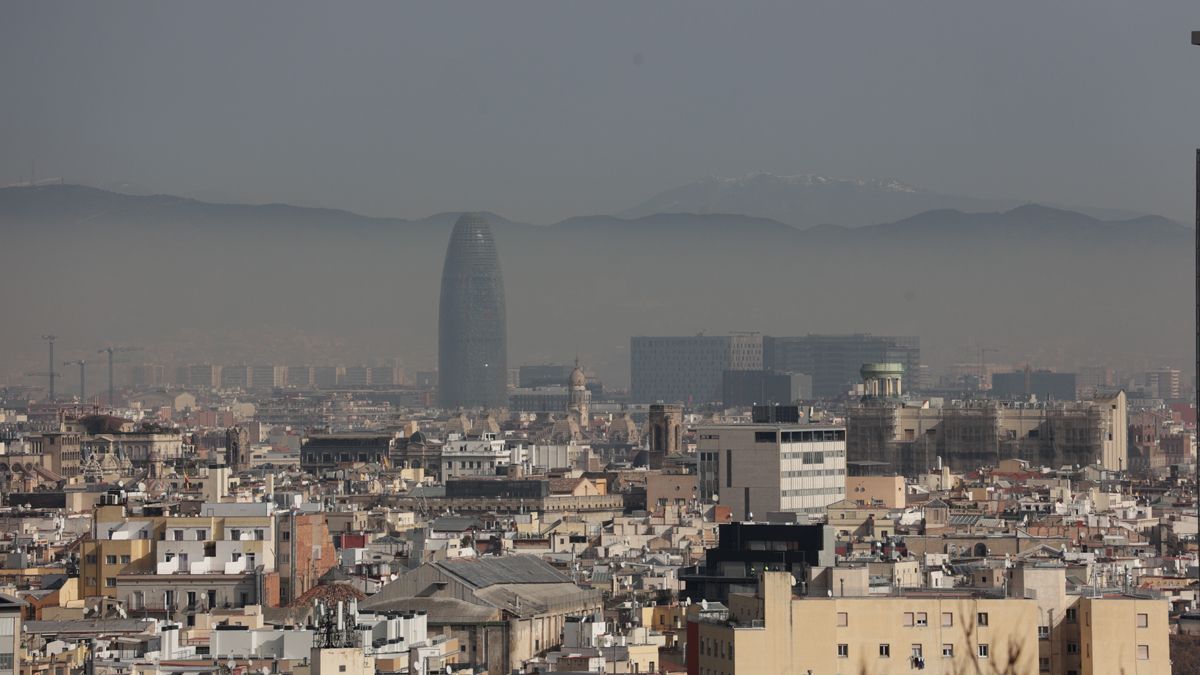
(472, 328)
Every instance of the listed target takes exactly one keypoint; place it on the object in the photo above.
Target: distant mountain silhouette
(1049, 286)
(807, 200)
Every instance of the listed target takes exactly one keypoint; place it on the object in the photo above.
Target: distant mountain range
(806, 200)
(234, 283)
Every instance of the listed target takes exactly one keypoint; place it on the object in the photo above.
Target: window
(843, 619)
(91, 559)
(843, 651)
(983, 651)
(1043, 632)
(110, 560)
(1143, 620)
(982, 619)
(1072, 617)
(6, 661)
(908, 619)
(922, 619)
(235, 535)
(947, 619)
(1044, 663)
(110, 582)
(259, 535)
(947, 651)
(125, 560)
(177, 535)
(1072, 647)
(286, 535)
(1143, 652)
(201, 534)
(885, 651)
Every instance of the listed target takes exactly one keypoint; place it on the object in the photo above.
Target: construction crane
(50, 375)
(983, 352)
(110, 351)
(82, 389)
(43, 373)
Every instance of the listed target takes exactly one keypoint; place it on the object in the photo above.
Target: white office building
(755, 469)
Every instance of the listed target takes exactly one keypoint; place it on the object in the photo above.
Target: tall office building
(472, 341)
(1044, 384)
(833, 361)
(764, 468)
(1164, 382)
(689, 369)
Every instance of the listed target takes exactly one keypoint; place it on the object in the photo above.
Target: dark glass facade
(472, 328)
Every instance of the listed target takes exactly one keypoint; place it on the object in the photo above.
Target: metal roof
(512, 569)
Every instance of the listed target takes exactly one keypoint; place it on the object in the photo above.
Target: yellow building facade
(933, 632)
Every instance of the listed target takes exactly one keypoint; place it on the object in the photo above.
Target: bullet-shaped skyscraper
(472, 329)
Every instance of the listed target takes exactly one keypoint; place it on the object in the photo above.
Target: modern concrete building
(744, 388)
(679, 369)
(267, 377)
(1046, 385)
(746, 550)
(756, 469)
(691, 369)
(834, 361)
(11, 611)
(235, 377)
(1164, 383)
(543, 375)
(472, 328)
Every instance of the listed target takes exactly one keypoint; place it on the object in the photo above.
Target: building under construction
(909, 436)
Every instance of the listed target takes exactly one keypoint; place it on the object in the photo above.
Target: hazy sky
(544, 110)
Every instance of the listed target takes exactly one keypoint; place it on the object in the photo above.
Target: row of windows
(327, 458)
(916, 651)
(718, 648)
(814, 436)
(919, 619)
(804, 492)
(805, 473)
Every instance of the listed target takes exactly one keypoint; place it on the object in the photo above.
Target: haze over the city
(542, 111)
(538, 113)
